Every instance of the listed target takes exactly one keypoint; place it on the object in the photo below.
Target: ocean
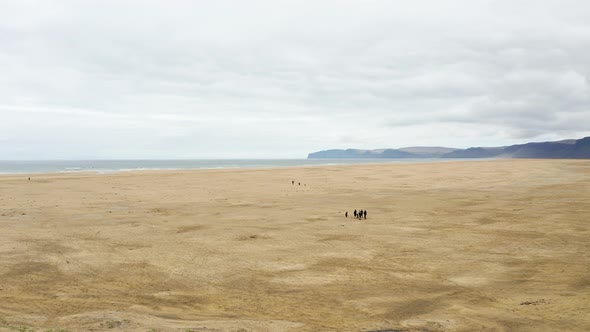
(111, 166)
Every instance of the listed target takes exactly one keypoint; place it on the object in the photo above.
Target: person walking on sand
(293, 182)
(365, 214)
(354, 213)
(346, 214)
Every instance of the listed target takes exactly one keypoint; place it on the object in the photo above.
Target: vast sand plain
(457, 246)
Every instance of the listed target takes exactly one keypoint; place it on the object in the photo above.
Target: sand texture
(457, 246)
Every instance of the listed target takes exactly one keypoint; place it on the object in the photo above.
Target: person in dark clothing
(346, 214)
(355, 214)
(365, 214)
(293, 182)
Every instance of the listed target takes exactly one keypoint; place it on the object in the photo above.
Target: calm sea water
(110, 166)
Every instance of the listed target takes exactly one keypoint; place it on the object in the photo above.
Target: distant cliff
(411, 152)
(354, 153)
(567, 149)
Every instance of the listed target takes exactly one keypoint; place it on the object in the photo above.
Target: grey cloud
(283, 79)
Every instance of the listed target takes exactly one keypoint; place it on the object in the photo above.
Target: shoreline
(160, 170)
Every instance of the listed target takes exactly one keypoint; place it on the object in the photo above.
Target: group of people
(361, 214)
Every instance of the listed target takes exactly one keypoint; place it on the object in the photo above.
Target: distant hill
(428, 151)
(567, 149)
(475, 153)
(418, 152)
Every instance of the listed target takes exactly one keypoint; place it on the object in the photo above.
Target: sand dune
(458, 246)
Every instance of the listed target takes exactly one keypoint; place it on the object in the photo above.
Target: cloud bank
(278, 79)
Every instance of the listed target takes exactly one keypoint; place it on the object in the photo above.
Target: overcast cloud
(280, 79)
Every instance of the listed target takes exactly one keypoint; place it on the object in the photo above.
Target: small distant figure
(299, 183)
(346, 214)
(354, 213)
(293, 182)
(365, 214)
(29, 179)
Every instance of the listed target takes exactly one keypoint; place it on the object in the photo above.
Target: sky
(280, 79)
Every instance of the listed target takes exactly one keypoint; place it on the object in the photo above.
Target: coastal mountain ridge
(564, 149)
